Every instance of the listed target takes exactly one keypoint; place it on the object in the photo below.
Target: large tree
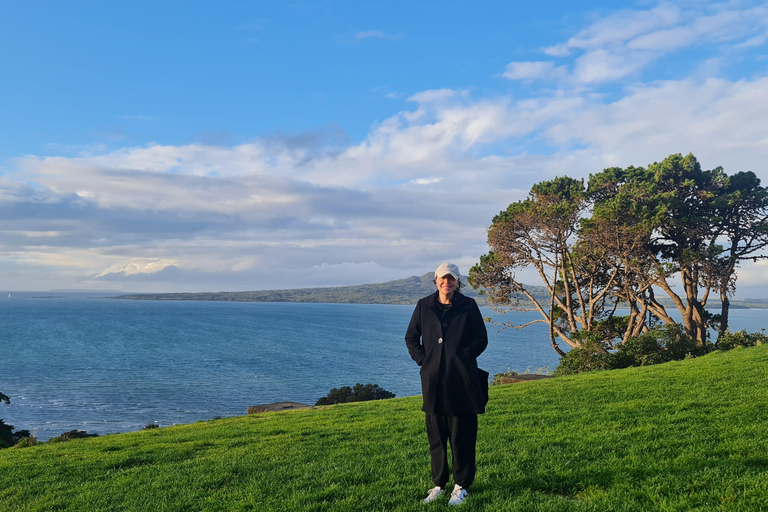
(541, 233)
(739, 229)
(631, 233)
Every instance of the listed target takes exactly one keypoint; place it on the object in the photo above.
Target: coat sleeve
(413, 337)
(477, 336)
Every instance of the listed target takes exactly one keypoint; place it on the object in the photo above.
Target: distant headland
(399, 291)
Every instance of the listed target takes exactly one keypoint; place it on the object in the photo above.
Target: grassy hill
(682, 436)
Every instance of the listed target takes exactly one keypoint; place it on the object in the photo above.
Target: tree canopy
(610, 246)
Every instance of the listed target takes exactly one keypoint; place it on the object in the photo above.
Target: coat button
(440, 340)
(445, 325)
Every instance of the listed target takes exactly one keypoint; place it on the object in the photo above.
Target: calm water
(110, 366)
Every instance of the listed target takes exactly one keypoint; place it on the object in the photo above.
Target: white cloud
(41, 234)
(603, 65)
(371, 33)
(533, 70)
(137, 266)
(377, 34)
(624, 43)
(716, 120)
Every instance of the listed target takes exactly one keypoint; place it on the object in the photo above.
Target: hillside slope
(686, 435)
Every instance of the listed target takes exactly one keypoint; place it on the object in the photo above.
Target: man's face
(446, 284)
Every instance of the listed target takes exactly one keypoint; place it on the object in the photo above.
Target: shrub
(150, 426)
(72, 434)
(358, 393)
(9, 437)
(497, 376)
(591, 355)
(26, 441)
(658, 345)
(729, 340)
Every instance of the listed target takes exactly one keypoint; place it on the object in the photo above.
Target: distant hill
(400, 291)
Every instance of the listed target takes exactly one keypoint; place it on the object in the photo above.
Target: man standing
(445, 336)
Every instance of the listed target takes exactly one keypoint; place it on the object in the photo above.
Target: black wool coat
(446, 346)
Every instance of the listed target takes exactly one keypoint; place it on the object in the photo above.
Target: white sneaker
(458, 495)
(433, 494)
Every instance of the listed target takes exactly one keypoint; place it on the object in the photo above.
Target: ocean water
(107, 366)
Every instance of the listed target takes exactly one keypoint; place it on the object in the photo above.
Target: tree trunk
(724, 311)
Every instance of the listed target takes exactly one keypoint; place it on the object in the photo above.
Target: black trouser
(461, 431)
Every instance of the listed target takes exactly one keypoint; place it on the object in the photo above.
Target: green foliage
(658, 345)
(661, 344)
(9, 436)
(496, 380)
(150, 426)
(358, 393)
(72, 434)
(684, 436)
(26, 442)
(729, 340)
(5, 398)
(589, 356)
(632, 233)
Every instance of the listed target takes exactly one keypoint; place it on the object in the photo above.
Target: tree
(740, 222)
(9, 437)
(631, 233)
(538, 232)
(697, 226)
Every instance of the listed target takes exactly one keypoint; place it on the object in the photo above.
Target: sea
(71, 362)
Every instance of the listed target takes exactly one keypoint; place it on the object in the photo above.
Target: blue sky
(186, 146)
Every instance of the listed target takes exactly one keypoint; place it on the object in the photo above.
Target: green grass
(687, 435)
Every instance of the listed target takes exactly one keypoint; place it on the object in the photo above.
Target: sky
(243, 145)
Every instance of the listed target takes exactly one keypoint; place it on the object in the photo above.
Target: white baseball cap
(448, 268)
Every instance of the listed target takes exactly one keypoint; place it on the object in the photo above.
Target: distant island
(399, 291)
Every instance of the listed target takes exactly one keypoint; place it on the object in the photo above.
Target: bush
(729, 340)
(72, 434)
(497, 376)
(9, 437)
(590, 356)
(658, 345)
(26, 441)
(358, 393)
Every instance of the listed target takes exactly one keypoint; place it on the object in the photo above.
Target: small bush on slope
(358, 393)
